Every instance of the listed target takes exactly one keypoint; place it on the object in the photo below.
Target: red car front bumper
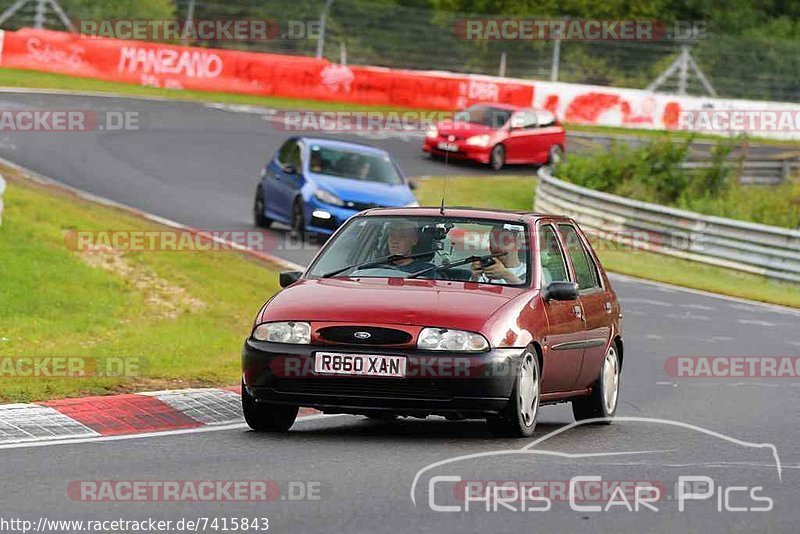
(464, 151)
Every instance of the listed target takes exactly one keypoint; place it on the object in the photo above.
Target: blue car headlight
(328, 198)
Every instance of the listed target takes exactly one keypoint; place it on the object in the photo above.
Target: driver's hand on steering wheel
(496, 270)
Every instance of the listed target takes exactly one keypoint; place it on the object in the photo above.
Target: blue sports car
(315, 185)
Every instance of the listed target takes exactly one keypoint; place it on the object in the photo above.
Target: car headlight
(328, 198)
(455, 340)
(478, 140)
(414, 204)
(297, 333)
(432, 133)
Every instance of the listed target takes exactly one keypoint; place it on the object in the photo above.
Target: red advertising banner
(205, 69)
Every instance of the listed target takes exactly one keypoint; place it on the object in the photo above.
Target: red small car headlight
(297, 333)
(452, 340)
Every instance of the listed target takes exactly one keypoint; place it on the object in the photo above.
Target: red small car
(497, 134)
(464, 313)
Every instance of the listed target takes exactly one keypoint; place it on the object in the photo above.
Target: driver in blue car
(506, 268)
(402, 237)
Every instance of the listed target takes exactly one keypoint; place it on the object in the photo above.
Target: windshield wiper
(380, 261)
(458, 263)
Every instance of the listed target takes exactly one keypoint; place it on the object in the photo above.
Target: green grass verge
(46, 80)
(518, 193)
(170, 314)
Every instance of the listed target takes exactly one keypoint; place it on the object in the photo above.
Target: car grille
(357, 335)
(451, 138)
(360, 387)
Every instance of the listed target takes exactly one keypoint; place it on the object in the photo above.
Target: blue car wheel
(298, 222)
(260, 220)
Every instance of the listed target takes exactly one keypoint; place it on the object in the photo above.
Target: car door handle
(608, 307)
(577, 312)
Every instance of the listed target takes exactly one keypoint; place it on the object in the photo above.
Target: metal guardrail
(772, 165)
(755, 172)
(743, 246)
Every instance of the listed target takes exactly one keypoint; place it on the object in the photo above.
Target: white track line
(199, 430)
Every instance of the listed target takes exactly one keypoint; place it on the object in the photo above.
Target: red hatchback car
(497, 134)
(464, 313)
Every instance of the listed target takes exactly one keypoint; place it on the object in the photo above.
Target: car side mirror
(288, 278)
(561, 291)
(289, 169)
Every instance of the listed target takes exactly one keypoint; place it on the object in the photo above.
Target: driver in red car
(508, 268)
(402, 237)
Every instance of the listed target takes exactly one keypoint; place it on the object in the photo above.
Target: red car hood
(463, 129)
(461, 305)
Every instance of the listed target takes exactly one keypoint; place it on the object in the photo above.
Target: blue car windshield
(353, 165)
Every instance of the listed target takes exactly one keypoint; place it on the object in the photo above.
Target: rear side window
(551, 257)
(524, 119)
(585, 269)
(289, 154)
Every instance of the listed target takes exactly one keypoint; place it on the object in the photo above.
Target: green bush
(119, 9)
(653, 173)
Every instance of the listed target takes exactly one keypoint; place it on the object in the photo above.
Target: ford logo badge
(362, 335)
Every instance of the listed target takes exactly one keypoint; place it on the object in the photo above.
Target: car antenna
(444, 186)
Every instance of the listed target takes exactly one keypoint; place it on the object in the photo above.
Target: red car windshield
(442, 248)
(485, 115)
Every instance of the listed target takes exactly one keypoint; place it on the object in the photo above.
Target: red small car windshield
(399, 247)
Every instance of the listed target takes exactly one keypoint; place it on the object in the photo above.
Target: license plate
(448, 147)
(334, 363)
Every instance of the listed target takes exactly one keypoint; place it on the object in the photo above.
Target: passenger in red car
(508, 268)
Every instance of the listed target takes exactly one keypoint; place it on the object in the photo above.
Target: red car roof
(510, 107)
(458, 211)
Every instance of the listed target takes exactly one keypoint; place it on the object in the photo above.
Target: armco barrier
(753, 248)
(755, 172)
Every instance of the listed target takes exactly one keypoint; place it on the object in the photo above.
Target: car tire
(602, 403)
(555, 155)
(497, 157)
(267, 417)
(260, 220)
(519, 418)
(297, 222)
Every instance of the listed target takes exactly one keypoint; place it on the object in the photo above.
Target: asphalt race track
(198, 165)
